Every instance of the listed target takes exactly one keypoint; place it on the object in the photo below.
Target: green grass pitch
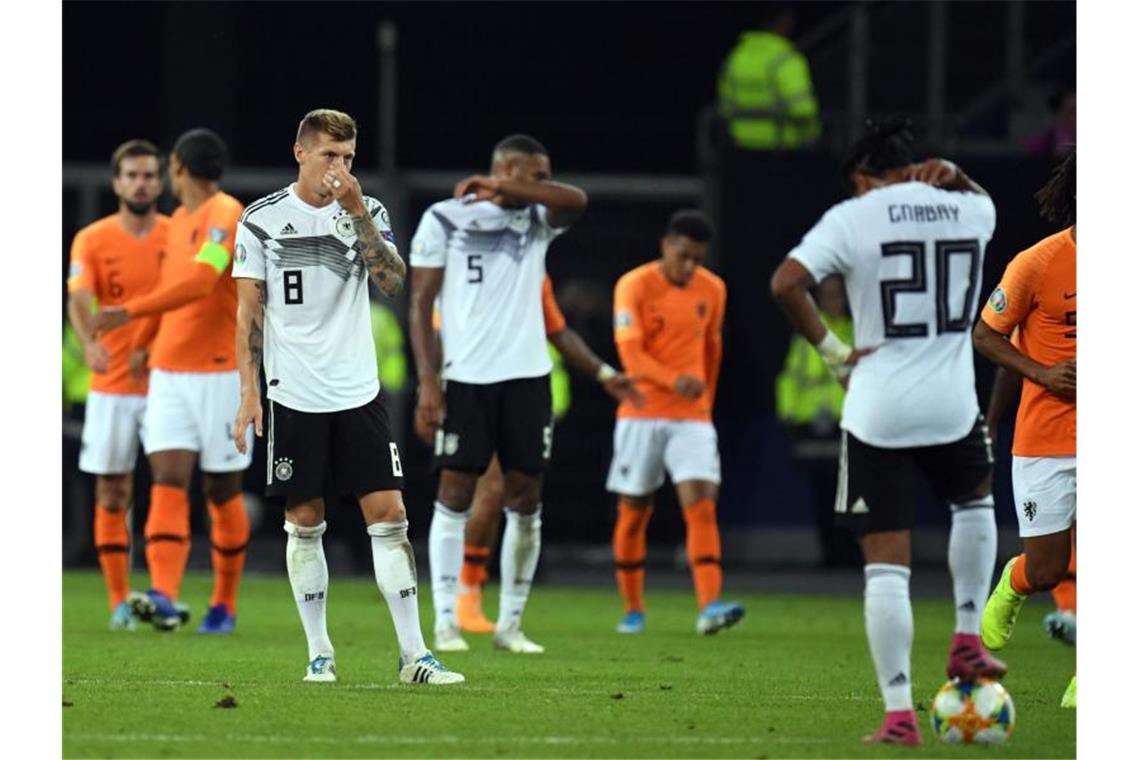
(793, 679)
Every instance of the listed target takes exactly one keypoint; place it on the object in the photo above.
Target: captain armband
(214, 255)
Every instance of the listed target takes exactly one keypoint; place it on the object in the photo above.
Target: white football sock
(890, 631)
(445, 558)
(309, 577)
(522, 541)
(972, 554)
(395, 567)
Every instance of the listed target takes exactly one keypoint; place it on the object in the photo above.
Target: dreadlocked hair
(884, 146)
(1058, 199)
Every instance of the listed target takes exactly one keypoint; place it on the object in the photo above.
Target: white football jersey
(491, 302)
(319, 352)
(911, 255)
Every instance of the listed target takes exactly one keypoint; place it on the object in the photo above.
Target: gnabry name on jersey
(940, 212)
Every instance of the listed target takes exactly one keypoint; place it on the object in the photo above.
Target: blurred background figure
(765, 89)
(809, 403)
(1060, 137)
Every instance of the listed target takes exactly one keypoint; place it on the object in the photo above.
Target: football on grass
(972, 713)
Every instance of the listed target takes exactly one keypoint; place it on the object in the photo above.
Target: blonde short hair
(336, 124)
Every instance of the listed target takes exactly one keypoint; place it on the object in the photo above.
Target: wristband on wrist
(605, 372)
(833, 350)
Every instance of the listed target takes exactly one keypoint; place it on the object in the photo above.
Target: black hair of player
(521, 144)
(1057, 201)
(884, 146)
(202, 152)
(692, 223)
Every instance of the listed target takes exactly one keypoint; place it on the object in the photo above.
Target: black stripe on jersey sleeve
(448, 225)
(258, 233)
(268, 200)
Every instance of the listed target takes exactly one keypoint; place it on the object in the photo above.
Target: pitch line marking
(465, 687)
(446, 739)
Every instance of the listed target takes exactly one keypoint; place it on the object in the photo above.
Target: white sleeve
(824, 250)
(382, 221)
(429, 244)
(249, 254)
(543, 214)
(987, 213)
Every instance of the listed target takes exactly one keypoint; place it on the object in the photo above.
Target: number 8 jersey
(911, 256)
(319, 352)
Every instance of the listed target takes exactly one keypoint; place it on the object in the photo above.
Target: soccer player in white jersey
(909, 246)
(302, 257)
(491, 241)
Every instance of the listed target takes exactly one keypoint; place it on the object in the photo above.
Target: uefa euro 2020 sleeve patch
(998, 300)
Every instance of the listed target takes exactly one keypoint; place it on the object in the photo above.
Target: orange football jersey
(1037, 297)
(663, 331)
(115, 266)
(199, 337)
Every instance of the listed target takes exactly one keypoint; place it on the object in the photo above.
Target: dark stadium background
(614, 88)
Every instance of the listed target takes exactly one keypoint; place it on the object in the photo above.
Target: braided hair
(1058, 199)
(884, 146)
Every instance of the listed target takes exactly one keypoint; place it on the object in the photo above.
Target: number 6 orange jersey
(115, 266)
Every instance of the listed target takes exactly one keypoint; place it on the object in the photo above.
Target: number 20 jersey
(911, 256)
(319, 352)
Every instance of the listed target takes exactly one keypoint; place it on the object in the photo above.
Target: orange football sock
(1018, 578)
(229, 536)
(702, 542)
(167, 533)
(629, 553)
(1065, 592)
(112, 543)
(474, 572)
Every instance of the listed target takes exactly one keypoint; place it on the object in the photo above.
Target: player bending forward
(302, 257)
(909, 246)
(668, 316)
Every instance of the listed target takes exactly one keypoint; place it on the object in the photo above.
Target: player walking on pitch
(114, 259)
(303, 255)
(491, 239)
(487, 504)
(193, 389)
(909, 246)
(668, 316)
(1037, 296)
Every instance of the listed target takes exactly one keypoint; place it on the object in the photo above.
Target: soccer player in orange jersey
(487, 506)
(194, 388)
(1061, 623)
(668, 316)
(112, 260)
(1037, 296)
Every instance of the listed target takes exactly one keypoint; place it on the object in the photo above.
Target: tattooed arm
(250, 344)
(388, 270)
(384, 263)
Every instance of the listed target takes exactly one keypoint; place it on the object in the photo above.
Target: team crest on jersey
(997, 300)
(702, 309)
(343, 226)
(283, 469)
(217, 235)
(520, 222)
(623, 319)
(239, 254)
(75, 270)
(450, 443)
